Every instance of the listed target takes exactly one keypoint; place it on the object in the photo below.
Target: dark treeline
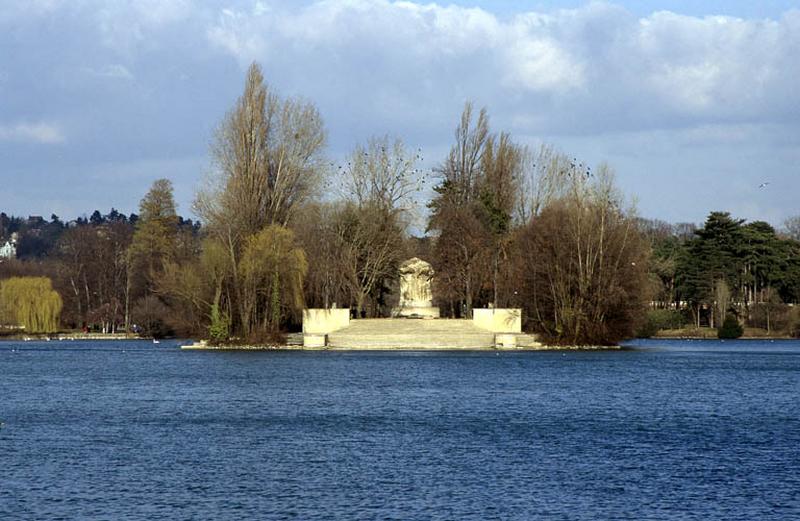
(284, 228)
(99, 265)
(727, 267)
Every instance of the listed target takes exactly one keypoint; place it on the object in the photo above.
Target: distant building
(8, 249)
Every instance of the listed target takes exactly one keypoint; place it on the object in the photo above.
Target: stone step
(402, 333)
(456, 341)
(411, 343)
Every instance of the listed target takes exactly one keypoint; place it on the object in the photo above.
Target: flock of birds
(423, 174)
(404, 166)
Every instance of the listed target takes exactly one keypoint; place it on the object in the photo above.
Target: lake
(661, 430)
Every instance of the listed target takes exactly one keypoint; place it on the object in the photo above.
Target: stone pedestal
(416, 312)
(317, 323)
(314, 340)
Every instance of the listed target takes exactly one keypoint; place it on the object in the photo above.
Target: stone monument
(416, 298)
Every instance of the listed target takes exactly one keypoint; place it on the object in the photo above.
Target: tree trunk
(275, 302)
(127, 301)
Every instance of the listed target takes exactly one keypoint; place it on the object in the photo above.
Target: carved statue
(415, 284)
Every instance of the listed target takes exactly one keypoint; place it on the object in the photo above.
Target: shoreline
(199, 346)
(72, 336)
(696, 337)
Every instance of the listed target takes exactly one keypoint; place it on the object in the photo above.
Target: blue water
(664, 430)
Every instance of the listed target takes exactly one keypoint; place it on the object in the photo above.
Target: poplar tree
(267, 161)
(460, 249)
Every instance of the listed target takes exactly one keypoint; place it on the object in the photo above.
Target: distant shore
(71, 336)
(707, 333)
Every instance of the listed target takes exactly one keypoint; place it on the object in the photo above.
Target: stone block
(323, 321)
(498, 320)
(505, 340)
(314, 340)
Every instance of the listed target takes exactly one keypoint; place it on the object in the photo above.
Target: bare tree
(546, 176)
(267, 160)
(501, 165)
(369, 244)
(585, 266)
(461, 236)
(461, 254)
(722, 301)
(316, 228)
(382, 172)
(791, 227)
(461, 170)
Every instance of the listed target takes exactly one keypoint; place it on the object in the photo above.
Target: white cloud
(42, 133)
(125, 26)
(425, 35)
(668, 98)
(664, 69)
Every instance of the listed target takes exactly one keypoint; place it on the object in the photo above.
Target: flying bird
(764, 184)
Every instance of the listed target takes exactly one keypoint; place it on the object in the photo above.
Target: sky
(693, 104)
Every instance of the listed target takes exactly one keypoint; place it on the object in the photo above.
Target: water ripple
(664, 430)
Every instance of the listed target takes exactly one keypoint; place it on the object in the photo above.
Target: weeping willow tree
(31, 302)
(272, 269)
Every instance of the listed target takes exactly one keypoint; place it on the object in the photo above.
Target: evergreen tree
(155, 237)
(730, 328)
(713, 255)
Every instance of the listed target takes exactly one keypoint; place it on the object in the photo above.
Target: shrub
(658, 319)
(219, 330)
(730, 328)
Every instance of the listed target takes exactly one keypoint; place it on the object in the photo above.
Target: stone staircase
(409, 333)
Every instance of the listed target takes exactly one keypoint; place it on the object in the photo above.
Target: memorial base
(415, 312)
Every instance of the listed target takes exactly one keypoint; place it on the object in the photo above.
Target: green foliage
(711, 256)
(32, 303)
(219, 329)
(658, 319)
(730, 328)
(155, 238)
(750, 260)
(273, 269)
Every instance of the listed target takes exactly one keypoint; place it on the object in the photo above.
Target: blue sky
(694, 104)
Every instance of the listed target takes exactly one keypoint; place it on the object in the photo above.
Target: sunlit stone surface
(416, 298)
